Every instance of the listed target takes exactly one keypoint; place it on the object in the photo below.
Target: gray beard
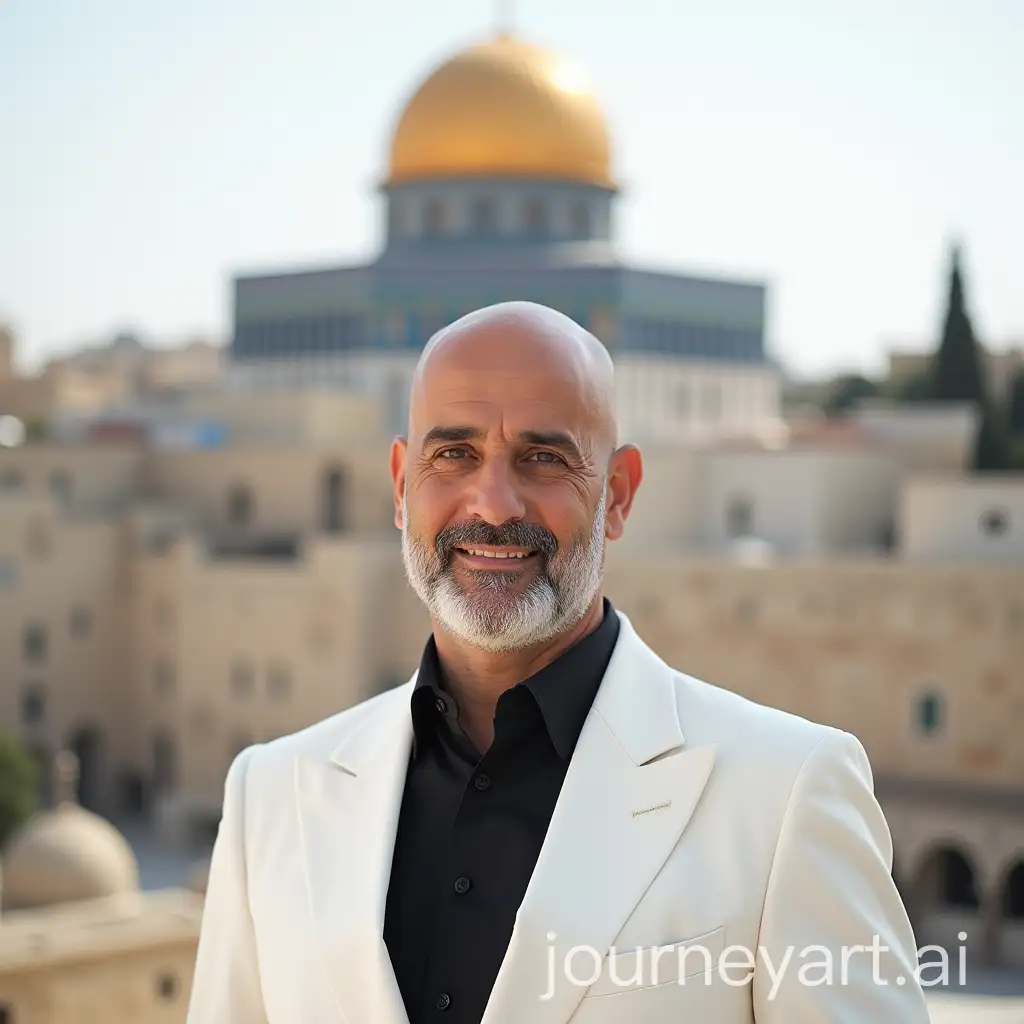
(491, 616)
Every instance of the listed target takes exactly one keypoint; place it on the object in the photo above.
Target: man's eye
(451, 453)
(548, 458)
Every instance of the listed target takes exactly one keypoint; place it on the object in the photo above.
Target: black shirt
(471, 828)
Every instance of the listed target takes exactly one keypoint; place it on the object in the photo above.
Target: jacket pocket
(646, 967)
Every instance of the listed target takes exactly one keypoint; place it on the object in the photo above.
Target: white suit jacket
(689, 818)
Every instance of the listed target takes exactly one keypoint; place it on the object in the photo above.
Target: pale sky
(148, 150)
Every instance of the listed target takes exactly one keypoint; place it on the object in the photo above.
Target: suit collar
(601, 852)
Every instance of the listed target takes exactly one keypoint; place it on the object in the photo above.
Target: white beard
(493, 619)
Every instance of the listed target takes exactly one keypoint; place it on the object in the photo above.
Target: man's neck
(477, 678)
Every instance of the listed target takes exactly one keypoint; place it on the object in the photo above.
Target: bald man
(546, 822)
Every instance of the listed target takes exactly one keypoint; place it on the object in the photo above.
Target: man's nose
(494, 495)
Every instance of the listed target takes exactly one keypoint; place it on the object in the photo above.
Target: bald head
(509, 482)
(524, 346)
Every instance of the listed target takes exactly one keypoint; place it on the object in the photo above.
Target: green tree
(846, 391)
(956, 370)
(958, 375)
(18, 786)
(1015, 412)
(992, 445)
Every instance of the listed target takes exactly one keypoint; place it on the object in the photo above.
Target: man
(547, 822)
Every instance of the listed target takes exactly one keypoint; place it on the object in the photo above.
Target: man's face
(503, 496)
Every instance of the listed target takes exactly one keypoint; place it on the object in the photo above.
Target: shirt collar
(564, 690)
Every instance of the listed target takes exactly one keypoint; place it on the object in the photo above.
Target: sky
(834, 150)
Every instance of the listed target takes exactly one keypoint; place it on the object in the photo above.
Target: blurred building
(78, 940)
(95, 378)
(500, 185)
(164, 605)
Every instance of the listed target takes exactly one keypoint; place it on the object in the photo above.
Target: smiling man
(547, 821)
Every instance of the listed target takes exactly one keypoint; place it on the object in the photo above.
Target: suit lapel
(629, 792)
(349, 807)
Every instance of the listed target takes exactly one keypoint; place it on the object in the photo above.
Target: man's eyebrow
(552, 439)
(451, 434)
(548, 438)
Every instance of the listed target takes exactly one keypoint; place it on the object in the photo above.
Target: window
(163, 676)
(61, 485)
(579, 221)
(167, 987)
(484, 216)
(334, 501)
(80, 623)
(240, 505)
(929, 713)
(241, 678)
(994, 522)
(33, 704)
(35, 642)
(435, 218)
(279, 681)
(535, 217)
(1013, 894)
(739, 517)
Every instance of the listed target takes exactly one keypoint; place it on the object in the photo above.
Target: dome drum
(489, 210)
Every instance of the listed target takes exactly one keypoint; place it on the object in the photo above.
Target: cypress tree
(1015, 415)
(957, 373)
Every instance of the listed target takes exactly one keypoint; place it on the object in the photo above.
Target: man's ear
(398, 449)
(625, 473)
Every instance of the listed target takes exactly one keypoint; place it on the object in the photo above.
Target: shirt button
(443, 1001)
(440, 705)
(462, 885)
(482, 782)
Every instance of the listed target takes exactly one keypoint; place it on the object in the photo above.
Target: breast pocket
(651, 966)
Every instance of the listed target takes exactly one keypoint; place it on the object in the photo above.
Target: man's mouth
(494, 557)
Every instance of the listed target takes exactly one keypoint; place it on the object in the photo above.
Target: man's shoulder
(748, 732)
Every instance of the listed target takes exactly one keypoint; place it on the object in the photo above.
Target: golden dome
(504, 108)
(66, 854)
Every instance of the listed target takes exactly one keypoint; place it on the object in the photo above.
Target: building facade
(500, 186)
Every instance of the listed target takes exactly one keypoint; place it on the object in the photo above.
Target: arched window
(1013, 893)
(484, 216)
(435, 218)
(579, 221)
(535, 218)
(946, 880)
